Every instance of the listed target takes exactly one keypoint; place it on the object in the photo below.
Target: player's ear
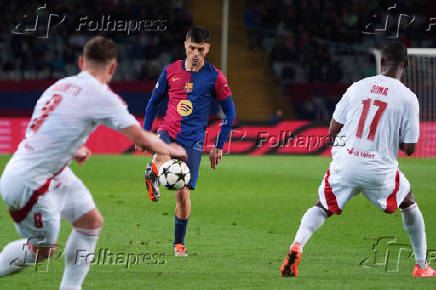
(206, 48)
(80, 62)
(112, 67)
(406, 63)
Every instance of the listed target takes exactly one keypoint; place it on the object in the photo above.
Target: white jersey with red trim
(378, 113)
(64, 116)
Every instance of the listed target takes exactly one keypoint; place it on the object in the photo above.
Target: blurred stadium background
(288, 62)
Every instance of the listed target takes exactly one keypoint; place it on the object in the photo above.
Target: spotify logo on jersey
(184, 108)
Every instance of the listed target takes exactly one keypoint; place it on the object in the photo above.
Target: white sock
(311, 221)
(15, 257)
(81, 242)
(414, 226)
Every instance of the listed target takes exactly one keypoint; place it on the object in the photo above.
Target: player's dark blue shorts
(194, 157)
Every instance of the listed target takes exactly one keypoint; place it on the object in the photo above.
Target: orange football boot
(180, 250)
(152, 181)
(427, 272)
(290, 264)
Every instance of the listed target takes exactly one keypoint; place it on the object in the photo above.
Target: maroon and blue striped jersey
(190, 95)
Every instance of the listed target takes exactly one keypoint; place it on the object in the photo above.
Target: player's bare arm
(82, 155)
(149, 142)
(335, 128)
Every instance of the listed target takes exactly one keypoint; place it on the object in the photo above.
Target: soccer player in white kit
(38, 186)
(376, 117)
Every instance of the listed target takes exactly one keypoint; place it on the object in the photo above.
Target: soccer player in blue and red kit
(191, 85)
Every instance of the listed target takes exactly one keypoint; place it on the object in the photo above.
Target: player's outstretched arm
(148, 141)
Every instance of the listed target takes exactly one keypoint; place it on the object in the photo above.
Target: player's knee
(408, 201)
(319, 204)
(43, 253)
(90, 220)
(182, 196)
(97, 221)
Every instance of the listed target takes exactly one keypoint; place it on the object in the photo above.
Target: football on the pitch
(174, 174)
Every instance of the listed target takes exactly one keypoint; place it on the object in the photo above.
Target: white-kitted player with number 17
(376, 117)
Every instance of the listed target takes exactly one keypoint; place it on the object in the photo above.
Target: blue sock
(180, 230)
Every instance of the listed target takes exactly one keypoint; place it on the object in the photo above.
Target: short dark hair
(100, 50)
(395, 51)
(198, 34)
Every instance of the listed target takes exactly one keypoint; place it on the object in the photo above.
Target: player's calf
(182, 213)
(183, 203)
(80, 246)
(415, 227)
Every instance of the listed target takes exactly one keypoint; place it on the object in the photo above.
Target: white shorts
(37, 213)
(333, 195)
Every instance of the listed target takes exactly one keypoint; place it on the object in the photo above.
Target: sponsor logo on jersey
(175, 79)
(189, 87)
(184, 108)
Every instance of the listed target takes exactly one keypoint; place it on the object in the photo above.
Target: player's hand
(178, 152)
(215, 157)
(140, 149)
(82, 155)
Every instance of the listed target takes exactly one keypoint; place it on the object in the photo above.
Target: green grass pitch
(244, 216)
